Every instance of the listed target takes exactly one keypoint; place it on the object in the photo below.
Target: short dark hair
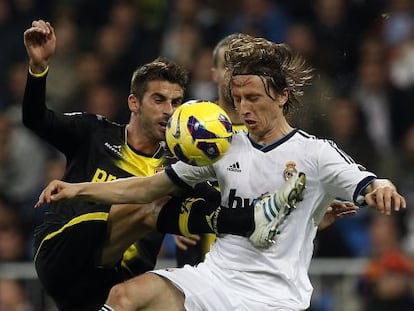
(160, 69)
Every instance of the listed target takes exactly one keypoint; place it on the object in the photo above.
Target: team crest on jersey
(290, 170)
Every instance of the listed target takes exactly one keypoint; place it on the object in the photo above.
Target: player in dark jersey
(82, 248)
(71, 262)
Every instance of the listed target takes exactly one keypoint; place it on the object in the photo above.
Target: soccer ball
(199, 133)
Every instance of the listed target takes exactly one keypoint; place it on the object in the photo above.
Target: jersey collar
(273, 145)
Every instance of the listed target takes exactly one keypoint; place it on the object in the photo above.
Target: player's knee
(119, 299)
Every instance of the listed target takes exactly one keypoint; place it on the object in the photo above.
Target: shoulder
(91, 118)
(312, 140)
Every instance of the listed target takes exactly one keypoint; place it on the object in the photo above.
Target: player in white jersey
(265, 80)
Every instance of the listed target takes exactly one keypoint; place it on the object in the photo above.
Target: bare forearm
(124, 190)
(127, 190)
(119, 191)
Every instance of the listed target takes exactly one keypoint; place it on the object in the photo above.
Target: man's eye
(252, 98)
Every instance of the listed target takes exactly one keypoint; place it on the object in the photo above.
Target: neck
(140, 142)
(272, 135)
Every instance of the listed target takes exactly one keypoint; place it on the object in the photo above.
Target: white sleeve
(340, 175)
(192, 175)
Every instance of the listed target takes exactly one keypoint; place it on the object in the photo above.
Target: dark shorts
(66, 247)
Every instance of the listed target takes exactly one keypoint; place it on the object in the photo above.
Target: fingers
(385, 200)
(40, 29)
(42, 26)
(50, 193)
(39, 33)
(341, 209)
(346, 213)
(183, 242)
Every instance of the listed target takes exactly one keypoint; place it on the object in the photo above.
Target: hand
(40, 43)
(183, 242)
(383, 196)
(337, 210)
(57, 190)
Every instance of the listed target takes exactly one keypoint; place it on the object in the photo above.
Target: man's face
(261, 113)
(158, 104)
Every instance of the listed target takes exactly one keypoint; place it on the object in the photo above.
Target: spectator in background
(91, 70)
(336, 34)
(9, 34)
(379, 102)
(201, 85)
(111, 47)
(64, 78)
(186, 18)
(13, 246)
(14, 296)
(388, 278)
(260, 18)
(182, 43)
(20, 167)
(398, 22)
(313, 114)
(348, 237)
(406, 176)
(15, 77)
(103, 99)
(375, 57)
(347, 128)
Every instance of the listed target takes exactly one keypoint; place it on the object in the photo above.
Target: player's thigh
(146, 292)
(125, 226)
(127, 222)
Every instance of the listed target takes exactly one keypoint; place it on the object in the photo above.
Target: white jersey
(277, 276)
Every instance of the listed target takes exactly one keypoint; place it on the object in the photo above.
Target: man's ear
(133, 103)
(283, 97)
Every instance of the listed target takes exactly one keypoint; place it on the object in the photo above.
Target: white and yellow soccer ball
(199, 133)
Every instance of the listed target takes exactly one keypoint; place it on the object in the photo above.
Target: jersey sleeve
(340, 175)
(63, 131)
(185, 175)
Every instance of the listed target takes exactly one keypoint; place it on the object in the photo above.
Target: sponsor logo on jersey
(117, 149)
(235, 167)
(290, 170)
(238, 202)
(102, 176)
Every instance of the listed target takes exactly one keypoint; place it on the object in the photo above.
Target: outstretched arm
(123, 190)
(382, 195)
(40, 43)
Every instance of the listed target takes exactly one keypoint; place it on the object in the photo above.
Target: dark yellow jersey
(73, 231)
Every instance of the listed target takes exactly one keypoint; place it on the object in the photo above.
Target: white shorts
(204, 290)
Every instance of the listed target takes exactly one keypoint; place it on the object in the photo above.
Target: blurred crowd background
(362, 97)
